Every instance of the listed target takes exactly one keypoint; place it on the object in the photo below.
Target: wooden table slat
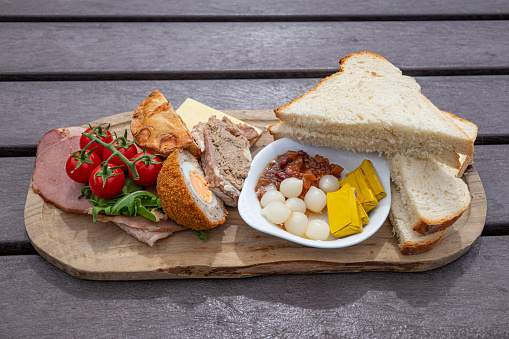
(69, 49)
(480, 99)
(261, 8)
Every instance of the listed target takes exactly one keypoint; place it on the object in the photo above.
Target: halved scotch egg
(184, 193)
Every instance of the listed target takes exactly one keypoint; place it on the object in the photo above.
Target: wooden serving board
(102, 251)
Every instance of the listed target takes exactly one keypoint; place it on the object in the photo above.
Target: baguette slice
(371, 99)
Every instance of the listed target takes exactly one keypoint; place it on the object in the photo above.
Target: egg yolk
(200, 185)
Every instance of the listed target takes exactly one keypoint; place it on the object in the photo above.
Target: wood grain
(467, 298)
(164, 50)
(98, 251)
(160, 9)
(480, 99)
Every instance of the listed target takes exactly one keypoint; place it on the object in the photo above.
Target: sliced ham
(50, 180)
(57, 135)
(143, 229)
(145, 236)
(143, 223)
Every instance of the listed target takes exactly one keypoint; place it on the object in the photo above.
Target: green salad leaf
(132, 201)
(201, 235)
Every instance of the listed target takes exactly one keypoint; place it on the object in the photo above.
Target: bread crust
(426, 227)
(416, 247)
(469, 157)
(411, 248)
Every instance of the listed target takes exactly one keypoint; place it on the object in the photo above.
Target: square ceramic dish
(250, 209)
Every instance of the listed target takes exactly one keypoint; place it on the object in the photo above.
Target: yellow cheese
(193, 112)
(342, 207)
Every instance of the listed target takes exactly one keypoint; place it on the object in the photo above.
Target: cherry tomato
(113, 186)
(82, 173)
(106, 137)
(148, 173)
(127, 152)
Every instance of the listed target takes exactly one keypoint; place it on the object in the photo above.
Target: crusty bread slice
(371, 99)
(315, 136)
(410, 242)
(434, 197)
(433, 192)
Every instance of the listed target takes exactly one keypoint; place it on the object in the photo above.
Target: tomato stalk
(131, 164)
(118, 154)
(106, 171)
(83, 157)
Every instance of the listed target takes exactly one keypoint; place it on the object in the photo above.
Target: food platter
(100, 251)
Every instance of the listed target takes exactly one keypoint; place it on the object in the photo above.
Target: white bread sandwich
(369, 106)
(470, 129)
(428, 197)
(430, 191)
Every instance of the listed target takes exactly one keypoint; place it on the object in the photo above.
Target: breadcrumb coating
(177, 201)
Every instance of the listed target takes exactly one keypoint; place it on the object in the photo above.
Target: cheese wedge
(193, 112)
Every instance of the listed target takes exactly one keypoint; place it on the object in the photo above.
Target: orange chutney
(297, 165)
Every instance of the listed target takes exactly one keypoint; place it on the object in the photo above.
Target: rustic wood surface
(64, 63)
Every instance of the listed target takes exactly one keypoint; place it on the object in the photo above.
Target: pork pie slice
(226, 158)
(159, 128)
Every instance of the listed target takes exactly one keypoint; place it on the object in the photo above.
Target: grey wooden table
(65, 63)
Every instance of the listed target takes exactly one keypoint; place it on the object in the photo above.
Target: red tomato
(82, 173)
(127, 152)
(148, 173)
(107, 138)
(113, 186)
